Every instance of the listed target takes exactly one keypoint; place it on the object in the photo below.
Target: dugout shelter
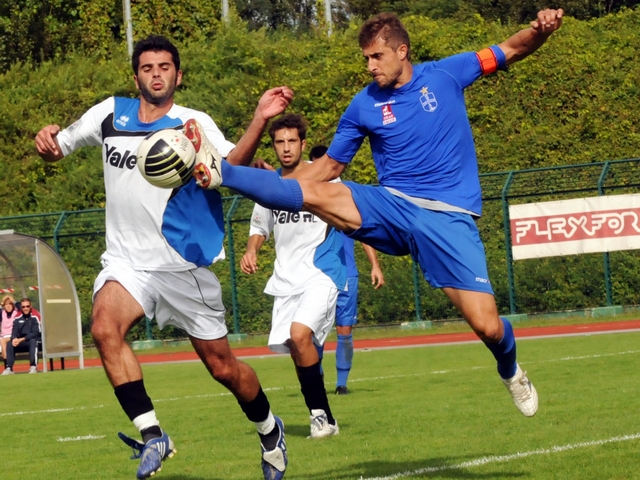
(29, 267)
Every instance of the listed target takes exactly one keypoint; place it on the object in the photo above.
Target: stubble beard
(389, 81)
(292, 165)
(157, 98)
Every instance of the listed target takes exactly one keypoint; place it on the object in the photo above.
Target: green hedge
(574, 101)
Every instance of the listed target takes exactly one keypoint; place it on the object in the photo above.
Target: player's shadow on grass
(297, 430)
(186, 477)
(431, 468)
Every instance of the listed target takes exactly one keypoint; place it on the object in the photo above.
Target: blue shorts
(446, 245)
(347, 307)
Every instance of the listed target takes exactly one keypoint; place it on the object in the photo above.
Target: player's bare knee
(490, 333)
(301, 340)
(105, 329)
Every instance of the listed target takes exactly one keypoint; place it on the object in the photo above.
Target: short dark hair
(290, 120)
(154, 43)
(388, 27)
(317, 152)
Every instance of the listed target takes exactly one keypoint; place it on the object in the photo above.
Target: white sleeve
(214, 134)
(261, 221)
(86, 132)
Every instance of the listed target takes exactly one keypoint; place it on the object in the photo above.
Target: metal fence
(526, 286)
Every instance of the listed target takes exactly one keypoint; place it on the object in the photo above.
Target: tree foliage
(573, 102)
(33, 31)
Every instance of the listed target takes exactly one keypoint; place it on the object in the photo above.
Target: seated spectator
(24, 337)
(34, 312)
(9, 314)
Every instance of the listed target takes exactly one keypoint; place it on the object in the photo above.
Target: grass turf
(427, 412)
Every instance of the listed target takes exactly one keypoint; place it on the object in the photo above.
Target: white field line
(51, 410)
(354, 380)
(478, 462)
(78, 439)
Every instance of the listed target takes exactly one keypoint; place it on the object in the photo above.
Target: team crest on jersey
(123, 120)
(428, 100)
(387, 115)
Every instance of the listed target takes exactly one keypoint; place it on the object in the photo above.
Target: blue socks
(263, 187)
(344, 358)
(320, 350)
(505, 351)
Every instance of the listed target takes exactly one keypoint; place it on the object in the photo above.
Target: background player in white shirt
(308, 272)
(155, 261)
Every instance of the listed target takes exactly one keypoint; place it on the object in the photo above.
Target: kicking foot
(208, 168)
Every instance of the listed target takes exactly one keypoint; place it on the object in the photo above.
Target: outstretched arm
(377, 278)
(273, 102)
(527, 41)
(249, 262)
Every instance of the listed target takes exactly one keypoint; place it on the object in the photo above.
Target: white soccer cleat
(33, 369)
(523, 392)
(208, 168)
(320, 426)
(7, 371)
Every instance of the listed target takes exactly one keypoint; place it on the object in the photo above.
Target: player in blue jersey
(429, 194)
(347, 306)
(309, 271)
(156, 263)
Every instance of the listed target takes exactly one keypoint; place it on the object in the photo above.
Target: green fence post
(56, 231)
(605, 256)
(147, 327)
(507, 242)
(416, 290)
(232, 262)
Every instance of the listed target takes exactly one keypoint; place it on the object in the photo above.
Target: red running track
(397, 342)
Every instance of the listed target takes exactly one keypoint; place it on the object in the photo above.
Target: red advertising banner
(570, 227)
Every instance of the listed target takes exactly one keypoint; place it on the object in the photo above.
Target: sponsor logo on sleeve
(74, 126)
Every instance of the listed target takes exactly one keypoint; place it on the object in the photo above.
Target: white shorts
(191, 300)
(315, 308)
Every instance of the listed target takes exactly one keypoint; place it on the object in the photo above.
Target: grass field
(428, 412)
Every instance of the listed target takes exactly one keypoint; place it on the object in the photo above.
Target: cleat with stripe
(151, 454)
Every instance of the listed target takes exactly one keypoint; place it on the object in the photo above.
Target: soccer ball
(166, 158)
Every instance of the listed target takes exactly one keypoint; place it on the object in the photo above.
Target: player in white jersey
(309, 271)
(156, 260)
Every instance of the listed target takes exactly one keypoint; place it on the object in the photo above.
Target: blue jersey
(419, 133)
(349, 256)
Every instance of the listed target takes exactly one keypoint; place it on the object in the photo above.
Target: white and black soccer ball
(166, 158)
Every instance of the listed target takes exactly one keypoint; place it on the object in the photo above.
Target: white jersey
(147, 227)
(308, 251)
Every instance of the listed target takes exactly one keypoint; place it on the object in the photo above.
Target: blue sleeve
(465, 67)
(349, 135)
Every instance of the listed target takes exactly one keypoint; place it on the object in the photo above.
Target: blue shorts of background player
(347, 307)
